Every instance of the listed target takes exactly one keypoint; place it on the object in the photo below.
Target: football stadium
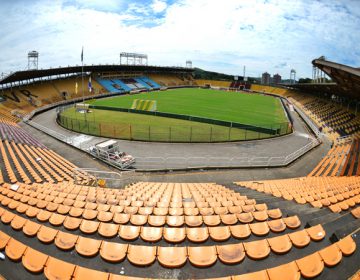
(137, 171)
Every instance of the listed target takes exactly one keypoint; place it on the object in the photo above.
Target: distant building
(265, 78)
(276, 79)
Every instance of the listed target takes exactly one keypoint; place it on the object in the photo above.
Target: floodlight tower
(188, 64)
(33, 60)
(292, 76)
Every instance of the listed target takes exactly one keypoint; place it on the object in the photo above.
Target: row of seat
(200, 256)
(309, 266)
(151, 233)
(137, 219)
(319, 192)
(35, 164)
(134, 197)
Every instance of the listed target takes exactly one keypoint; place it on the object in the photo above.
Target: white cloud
(273, 36)
(158, 6)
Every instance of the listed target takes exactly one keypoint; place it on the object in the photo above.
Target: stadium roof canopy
(29, 75)
(346, 78)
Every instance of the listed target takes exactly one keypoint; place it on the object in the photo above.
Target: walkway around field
(173, 156)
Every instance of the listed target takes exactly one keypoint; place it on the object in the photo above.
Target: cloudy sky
(217, 35)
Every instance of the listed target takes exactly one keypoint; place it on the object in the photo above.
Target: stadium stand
(212, 83)
(57, 228)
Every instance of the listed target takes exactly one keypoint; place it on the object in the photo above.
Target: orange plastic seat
(56, 269)
(65, 241)
(172, 257)
(72, 223)
(235, 209)
(46, 234)
(258, 275)
(4, 239)
(160, 211)
(43, 216)
(277, 225)
(30, 228)
(221, 233)
(331, 255)
(121, 218)
(141, 255)
(176, 211)
(33, 260)
(174, 235)
(260, 215)
(260, 228)
(18, 222)
(291, 271)
(316, 233)
(311, 265)
(108, 230)
(300, 238)
(63, 209)
(113, 252)
(240, 231)
(57, 219)
(245, 218)
(76, 212)
(206, 211)
(231, 253)
(82, 273)
(347, 245)
(202, 256)
(7, 217)
(145, 211)
(105, 216)
(229, 219)
(15, 249)
(292, 222)
(280, 244)
(191, 211)
(87, 247)
(211, 221)
(274, 213)
(175, 221)
(89, 227)
(129, 232)
(221, 210)
(89, 214)
(193, 221)
(197, 234)
(156, 221)
(131, 210)
(356, 212)
(22, 208)
(138, 220)
(258, 249)
(151, 234)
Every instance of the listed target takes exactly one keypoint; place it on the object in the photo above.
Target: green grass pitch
(252, 109)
